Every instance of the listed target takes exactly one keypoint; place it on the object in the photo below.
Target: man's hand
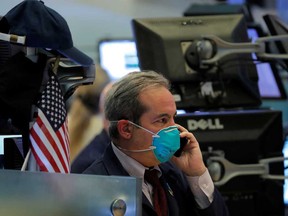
(190, 161)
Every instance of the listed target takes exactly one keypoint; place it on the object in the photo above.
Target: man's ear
(125, 129)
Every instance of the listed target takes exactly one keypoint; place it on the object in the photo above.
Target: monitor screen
(270, 83)
(277, 27)
(242, 138)
(118, 57)
(173, 47)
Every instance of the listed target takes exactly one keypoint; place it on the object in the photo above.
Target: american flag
(49, 133)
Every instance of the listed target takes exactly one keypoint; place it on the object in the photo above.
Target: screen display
(118, 57)
(269, 81)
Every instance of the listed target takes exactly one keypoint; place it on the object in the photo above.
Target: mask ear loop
(153, 134)
(136, 125)
(140, 150)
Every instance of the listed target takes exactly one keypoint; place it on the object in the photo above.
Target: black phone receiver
(183, 142)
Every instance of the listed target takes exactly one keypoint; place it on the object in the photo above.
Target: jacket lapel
(171, 201)
(112, 164)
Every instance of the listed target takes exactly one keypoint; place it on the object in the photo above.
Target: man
(144, 137)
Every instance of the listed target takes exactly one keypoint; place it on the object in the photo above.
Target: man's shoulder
(97, 168)
(92, 152)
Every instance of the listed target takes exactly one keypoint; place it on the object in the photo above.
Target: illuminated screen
(278, 27)
(118, 57)
(269, 83)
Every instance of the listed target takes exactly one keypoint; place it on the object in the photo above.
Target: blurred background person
(98, 144)
(84, 116)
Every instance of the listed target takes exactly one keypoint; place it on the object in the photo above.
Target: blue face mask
(165, 143)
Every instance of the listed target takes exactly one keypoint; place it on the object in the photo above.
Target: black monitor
(243, 137)
(11, 152)
(278, 27)
(230, 7)
(112, 49)
(12, 145)
(170, 46)
(270, 84)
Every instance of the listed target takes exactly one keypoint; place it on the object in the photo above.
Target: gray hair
(122, 99)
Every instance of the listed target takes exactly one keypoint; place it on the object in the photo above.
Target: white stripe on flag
(46, 141)
(41, 156)
(56, 140)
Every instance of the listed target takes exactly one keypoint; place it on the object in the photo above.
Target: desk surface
(28, 193)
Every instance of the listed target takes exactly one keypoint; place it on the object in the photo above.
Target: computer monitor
(11, 152)
(170, 46)
(270, 84)
(228, 7)
(277, 27)
(117, 57)
(12, 145)
(243, 137)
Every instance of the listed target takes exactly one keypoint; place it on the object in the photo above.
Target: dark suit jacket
(180, 202)
(93, 151)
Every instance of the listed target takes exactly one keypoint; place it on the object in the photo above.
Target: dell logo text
(204, 124)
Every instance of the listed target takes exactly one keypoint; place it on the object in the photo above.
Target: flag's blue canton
(52, 103)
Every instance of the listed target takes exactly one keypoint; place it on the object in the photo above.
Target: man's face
(160, 114)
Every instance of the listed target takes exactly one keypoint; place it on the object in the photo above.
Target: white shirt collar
(133, 167)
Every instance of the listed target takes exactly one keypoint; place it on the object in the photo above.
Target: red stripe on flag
(63, 143)
(37, 137)
(55, 147)
(44, 162)
(49, 133)
(48, 160)
(39, 161)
